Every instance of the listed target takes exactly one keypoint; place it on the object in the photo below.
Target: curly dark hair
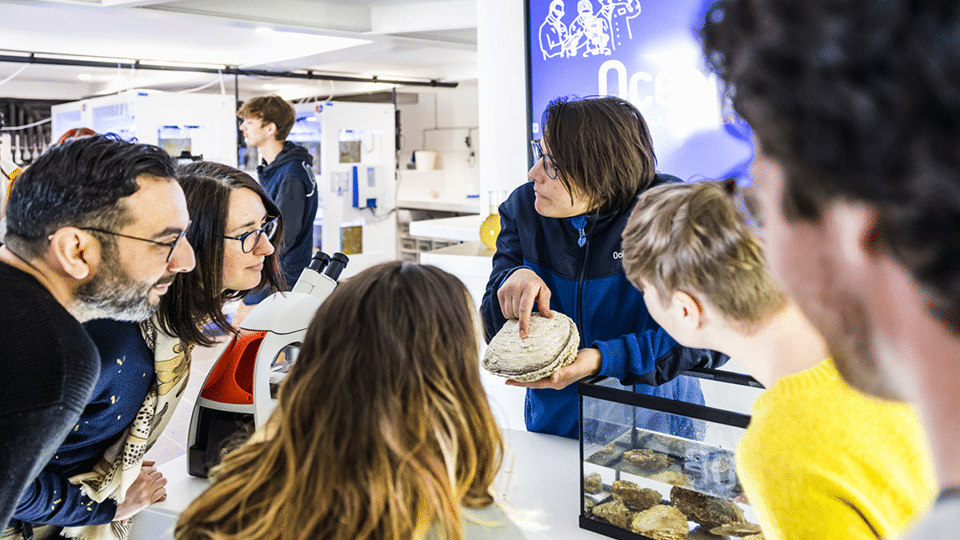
(859, 100)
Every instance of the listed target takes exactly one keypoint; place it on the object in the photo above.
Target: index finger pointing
(524, 323)
(527, 300)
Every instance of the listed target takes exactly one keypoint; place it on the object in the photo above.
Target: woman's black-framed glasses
(172, 245)
(746, 202)
(249, 240)
(547, 161)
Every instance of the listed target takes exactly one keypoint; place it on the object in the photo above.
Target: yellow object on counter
(489, 230)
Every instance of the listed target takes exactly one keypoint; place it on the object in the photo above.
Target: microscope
(240, 392)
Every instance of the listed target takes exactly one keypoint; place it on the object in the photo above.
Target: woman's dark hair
(196, 298)
(602, 149)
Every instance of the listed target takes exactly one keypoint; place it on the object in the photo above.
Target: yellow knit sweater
(822, 461)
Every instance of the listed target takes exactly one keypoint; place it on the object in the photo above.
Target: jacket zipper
(585, 244)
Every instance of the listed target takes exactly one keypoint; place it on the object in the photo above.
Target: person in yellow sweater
(819, 459)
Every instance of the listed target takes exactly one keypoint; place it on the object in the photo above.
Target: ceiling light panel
(147, 35)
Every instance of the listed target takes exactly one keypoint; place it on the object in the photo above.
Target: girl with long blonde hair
(382, 428)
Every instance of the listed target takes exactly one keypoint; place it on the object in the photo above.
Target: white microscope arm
(285, 317)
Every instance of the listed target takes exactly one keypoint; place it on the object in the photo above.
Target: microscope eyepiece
(319, 262)
(337, 263)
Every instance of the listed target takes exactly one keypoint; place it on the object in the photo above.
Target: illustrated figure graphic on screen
(593, 33)
(589, 32)
(618, 14)
(554, 37)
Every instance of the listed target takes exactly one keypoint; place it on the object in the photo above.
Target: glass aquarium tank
(663, 469)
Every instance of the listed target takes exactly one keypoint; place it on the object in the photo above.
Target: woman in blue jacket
(559, 248)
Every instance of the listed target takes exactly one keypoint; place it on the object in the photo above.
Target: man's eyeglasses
(547, 162)
(172, 245)
(746, 202)
(249, 240)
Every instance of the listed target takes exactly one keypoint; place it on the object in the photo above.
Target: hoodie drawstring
(580, 222)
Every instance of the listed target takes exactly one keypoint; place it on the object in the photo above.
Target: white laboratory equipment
(198, 124)
(353, 146)
(240, 392)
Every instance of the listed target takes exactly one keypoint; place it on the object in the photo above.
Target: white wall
(442, 108)
(500, 101)
(442, 120)
(502, 95)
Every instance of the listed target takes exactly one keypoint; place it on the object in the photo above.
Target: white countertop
(461, 228)
(539, 481)
(441, 203)
(471, 262)
(474, 248)
(437, 189)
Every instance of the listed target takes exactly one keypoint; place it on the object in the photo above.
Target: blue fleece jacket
(126, 373)
(579, 259)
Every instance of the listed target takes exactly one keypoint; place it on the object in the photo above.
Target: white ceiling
(406, 40)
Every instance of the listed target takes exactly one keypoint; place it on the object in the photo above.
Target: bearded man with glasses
(58, 271)
(146, 365)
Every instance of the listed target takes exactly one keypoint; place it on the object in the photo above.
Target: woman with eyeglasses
(234, 225)
(559, 250)
(145, 366)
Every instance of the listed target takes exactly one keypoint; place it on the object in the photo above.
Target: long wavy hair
(382, 428)
(196, 298)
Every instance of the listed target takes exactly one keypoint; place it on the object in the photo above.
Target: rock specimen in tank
(592, 483)
(737, 529)
(675, 478)
(703, 534)
(646, 460)
(661, 522)
(706, 510)
(615, 513)
(634, 496)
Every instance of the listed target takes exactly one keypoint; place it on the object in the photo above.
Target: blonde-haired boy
(819, 460)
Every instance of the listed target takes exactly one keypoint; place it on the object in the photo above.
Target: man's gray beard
(111, 306)
(112, 294)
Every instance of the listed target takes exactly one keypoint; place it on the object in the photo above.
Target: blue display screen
(648, 52)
